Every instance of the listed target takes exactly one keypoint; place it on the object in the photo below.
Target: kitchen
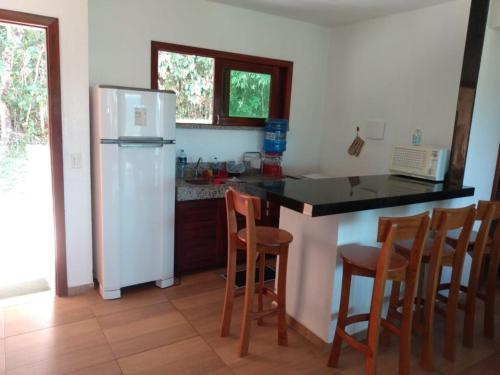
(401, 69)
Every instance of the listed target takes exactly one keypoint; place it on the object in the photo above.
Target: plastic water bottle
(416, 138)
(182, 158)
(275, 135)
(182, 162)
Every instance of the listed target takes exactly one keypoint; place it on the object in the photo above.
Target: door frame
(496, 179)
(51, 27)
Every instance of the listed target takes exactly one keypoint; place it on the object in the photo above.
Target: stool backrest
(446, 219)
(246, 205)
(413, 228)
(483, 206)
(487, 212)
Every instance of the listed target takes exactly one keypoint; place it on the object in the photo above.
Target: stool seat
(404, 247)
(452, 238)
(267, 236)
(366, 258)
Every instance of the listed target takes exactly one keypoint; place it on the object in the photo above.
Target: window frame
(281, 72)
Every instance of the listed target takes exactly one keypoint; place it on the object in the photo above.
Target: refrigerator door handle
(133, 144)
(138, 141)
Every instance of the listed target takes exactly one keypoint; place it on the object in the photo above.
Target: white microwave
(427, 162)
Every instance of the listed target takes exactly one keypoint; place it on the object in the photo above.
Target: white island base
(314, 274)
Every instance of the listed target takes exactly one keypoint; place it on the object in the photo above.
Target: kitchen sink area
(188, 189)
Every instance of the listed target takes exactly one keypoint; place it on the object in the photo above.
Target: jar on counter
(271, 164)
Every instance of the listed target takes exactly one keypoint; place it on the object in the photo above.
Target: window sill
(216, 127)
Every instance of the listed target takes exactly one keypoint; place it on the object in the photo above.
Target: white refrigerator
(133, 187)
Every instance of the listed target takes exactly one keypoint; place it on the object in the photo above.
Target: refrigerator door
(138, 195)
(128, 112)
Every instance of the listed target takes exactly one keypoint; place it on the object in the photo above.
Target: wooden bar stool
(382, 264)
(480, 244)
(257, 240)
(436, 255)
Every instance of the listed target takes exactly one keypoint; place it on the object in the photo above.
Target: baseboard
(315, 339)
(308, 334)
(79, 289)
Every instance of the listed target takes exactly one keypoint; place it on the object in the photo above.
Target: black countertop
(320, 197)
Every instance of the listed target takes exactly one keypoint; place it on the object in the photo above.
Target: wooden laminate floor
(175, 331)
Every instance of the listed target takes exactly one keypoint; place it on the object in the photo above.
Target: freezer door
(134, 113)
(138, 214)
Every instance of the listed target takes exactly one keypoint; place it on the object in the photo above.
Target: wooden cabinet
(201, 233)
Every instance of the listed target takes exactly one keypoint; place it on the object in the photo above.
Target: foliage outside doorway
(26, 219)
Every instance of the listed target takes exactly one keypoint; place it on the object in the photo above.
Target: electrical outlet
(76, 160)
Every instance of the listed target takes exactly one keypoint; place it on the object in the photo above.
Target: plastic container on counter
(275, 135)
(271, 164)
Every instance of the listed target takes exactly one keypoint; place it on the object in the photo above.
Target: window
(249, 94)
(192, 78)
(222, 88)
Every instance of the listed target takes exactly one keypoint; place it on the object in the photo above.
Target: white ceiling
(331, 12)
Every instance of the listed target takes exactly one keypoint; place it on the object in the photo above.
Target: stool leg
(262, 265)
(391, 312)
(374, 324)
(489, 309)
(282, 327)
(451, 311)
(248, 304)
(405, 332)
(343, 309)
(429, 306)
(229, 296)
(470, 301)
(418, 315)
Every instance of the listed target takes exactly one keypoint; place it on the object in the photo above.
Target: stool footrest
(266, 292)
(391, 327)
(356, 318)
(262, 314)
(353, 343)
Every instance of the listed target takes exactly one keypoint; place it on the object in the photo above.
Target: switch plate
(375, 129)
(76, 160)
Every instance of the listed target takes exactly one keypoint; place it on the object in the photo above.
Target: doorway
(32, 234)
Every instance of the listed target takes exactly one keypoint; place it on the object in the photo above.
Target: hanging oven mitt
(356, 145)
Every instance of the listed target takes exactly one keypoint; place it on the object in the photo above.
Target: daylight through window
(222, 88)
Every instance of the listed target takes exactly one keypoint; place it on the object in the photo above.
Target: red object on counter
(272, 170)
(271, 165)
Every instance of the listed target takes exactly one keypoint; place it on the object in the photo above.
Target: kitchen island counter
(325, 214)
(328, 196)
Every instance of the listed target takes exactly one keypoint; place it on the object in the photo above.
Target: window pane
(249, 94)
(192, 78)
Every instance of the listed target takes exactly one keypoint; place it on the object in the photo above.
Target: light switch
(76, 160)
(375, 129)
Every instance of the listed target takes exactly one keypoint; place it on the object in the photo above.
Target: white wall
(120, 36)
(73, 34)
(403, 69)
(485, 132)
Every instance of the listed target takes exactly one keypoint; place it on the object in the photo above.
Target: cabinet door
(198, 237)
(270, 214)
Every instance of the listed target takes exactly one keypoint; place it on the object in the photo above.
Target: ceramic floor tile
(189, 289)
(176, 330)
(488, 366)
(108, 368)
(191, 356)
(43, 314)
(57, 350)
(144, 328)
(131, 298)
